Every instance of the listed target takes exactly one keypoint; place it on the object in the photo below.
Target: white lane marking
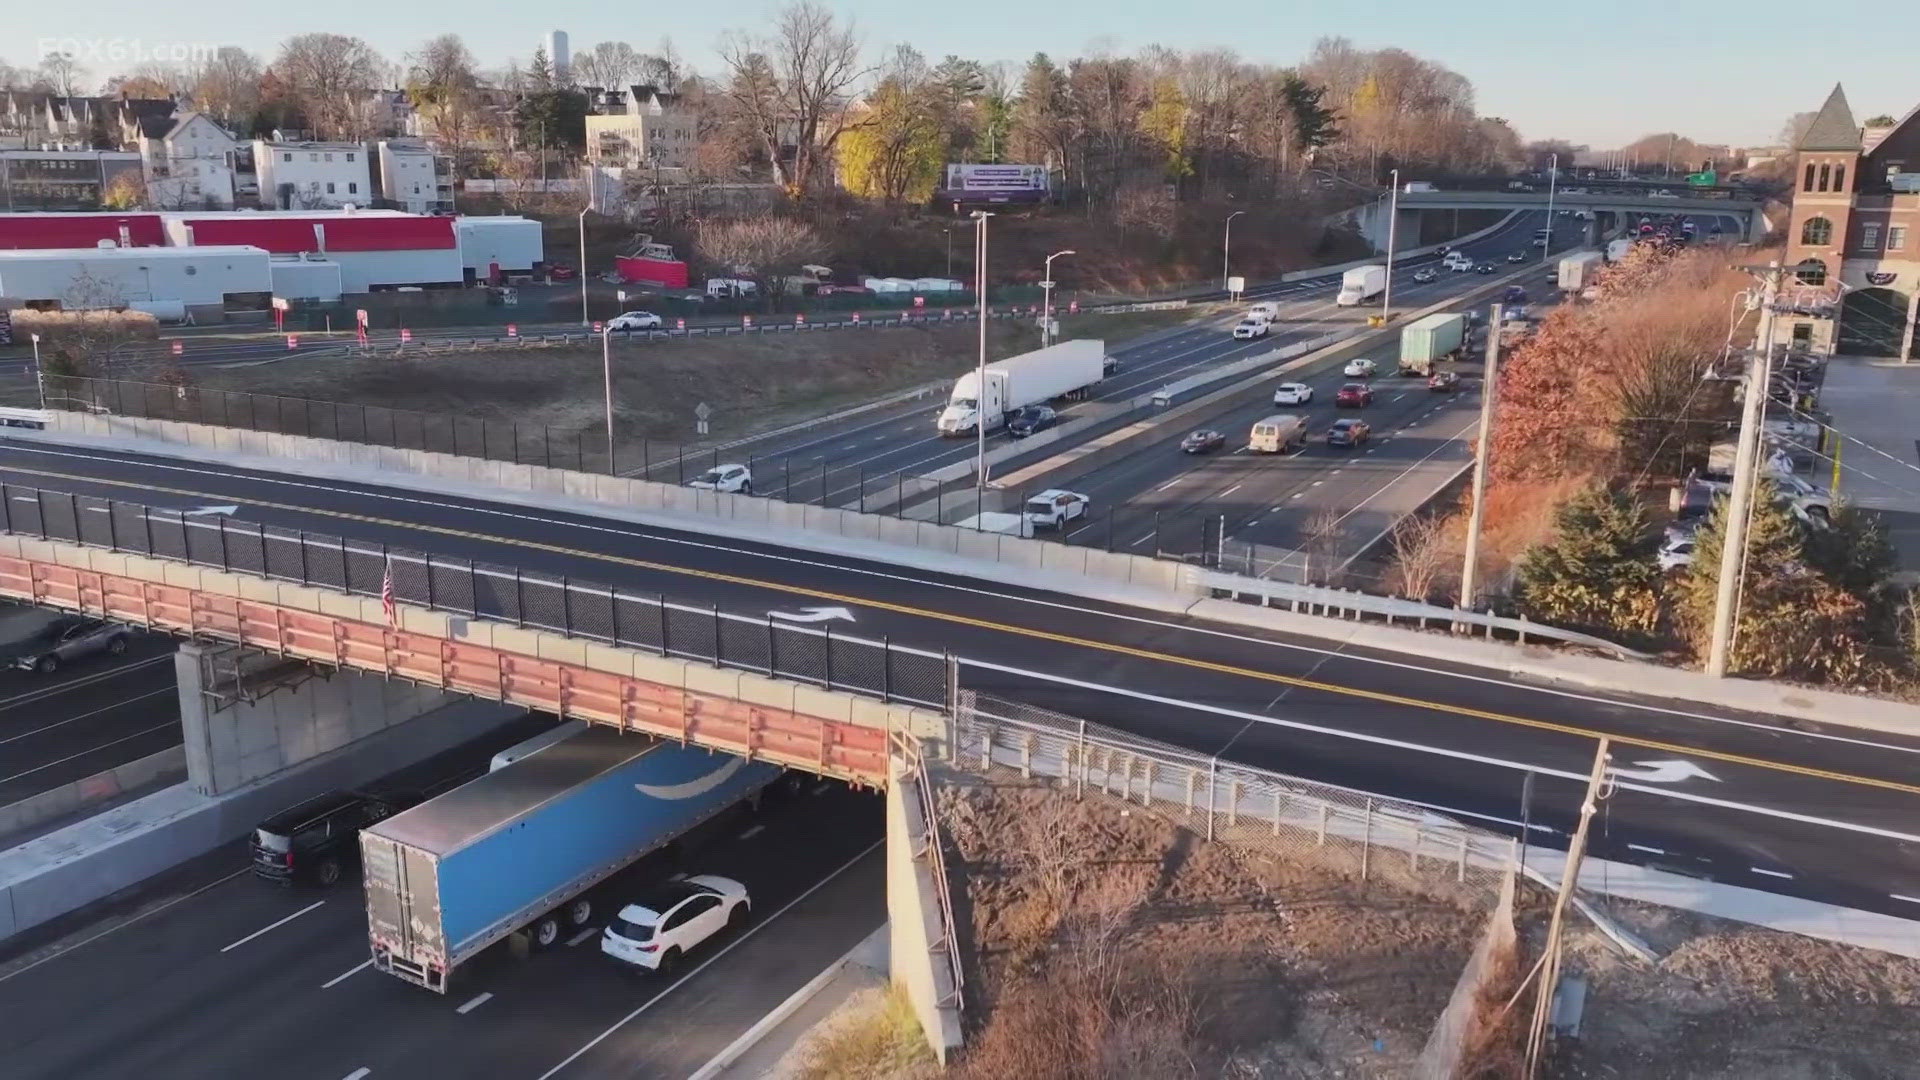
(1908, 899)
(359, 1074)
(1316, 483)
(143, 732)
(97, 510)
(753, 832)
(75, 684)
(1231, 490)
(1334, 472)
(1770, 873)
(271, 926)
(582, 936)
(475, 1003)
(345, 975)
(1296, 494)
(122, 926)
(629, 529)
(1649, 850)
(752, 929)
(1174, 481)
(171, 690)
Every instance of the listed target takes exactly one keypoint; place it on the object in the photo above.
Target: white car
(1054, 507)
(1458, 262)
(729, 478)
(1675, 553)
(635, 320)
(1265, 309)
(1292, 393)
(1359, 368)
(1251, 327)
(659, 928)
(1424, 275)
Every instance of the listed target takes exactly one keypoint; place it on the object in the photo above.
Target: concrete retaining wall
(913, 919)
(78, 795)
(1446, 1045)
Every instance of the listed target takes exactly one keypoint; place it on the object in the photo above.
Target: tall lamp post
(1553, 182)
(39, 375)
(584, 320)
(949, 231)
(606, 368)
(1393, 239)
(1046, 293)
(1226, 251)
(980, 370)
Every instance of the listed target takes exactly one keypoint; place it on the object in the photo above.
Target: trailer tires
(579, 912)
(546, 931)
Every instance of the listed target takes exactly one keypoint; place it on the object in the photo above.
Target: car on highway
(1054, 507)
(1204, 441)
(1443, 249)
(1516, 256)
(1251, 327)
(1292, 393)
(1265, 309)
(1458, 262)
(63, 641)
(727, 478)
(1353, 395)
(1540, 241)
(315, 841)
(1425, 274)
(1028, 419)
(1443, 382)
(635, 320)
(1513, 294)
(1360, 368)
(1348, 432)
(668, 921)
(1484, 268)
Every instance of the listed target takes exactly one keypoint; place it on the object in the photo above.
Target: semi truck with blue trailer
(519, 848)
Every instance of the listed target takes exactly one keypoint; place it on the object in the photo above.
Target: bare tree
(764, 249)
(1321, 545)
(609, 65)
(443, 88)
(327, 76)
(63, 73)
(1420, 556)
(227, 87)
(791, 89)
(664, 68)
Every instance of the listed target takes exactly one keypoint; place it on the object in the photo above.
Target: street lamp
(1553, 180)
(606, 368)
(39, 377)
(1046, 293)
(1226, 251)
(949, 231)
(584, 321)
(1393, 238)
(980, 370)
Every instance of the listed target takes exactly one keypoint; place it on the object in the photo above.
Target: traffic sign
(360, 314)
(919, 301)
(703, 411)
(177, 348)
(406, 334)
(293, 341)
(856, 318)
(1073, 305)
(513, 330)
(598, 326)
(799, 318)
(746, 321)
(679, 324)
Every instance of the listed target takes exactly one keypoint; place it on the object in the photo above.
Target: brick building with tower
(1853, 242)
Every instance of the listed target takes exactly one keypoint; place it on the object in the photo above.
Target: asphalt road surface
(1822, 813)
(210, 971)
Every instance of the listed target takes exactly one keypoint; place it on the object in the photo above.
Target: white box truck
(1577, 271)
(1361, 284)
(1617, 249)
(1056, 371)
(1438, 335)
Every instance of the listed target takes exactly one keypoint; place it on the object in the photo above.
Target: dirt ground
(1729, 1001)
(1231, 964)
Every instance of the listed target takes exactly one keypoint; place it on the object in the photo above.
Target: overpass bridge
(1744, 214)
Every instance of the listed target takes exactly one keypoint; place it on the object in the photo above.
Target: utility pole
(1553, 182)
(1549, 967)
(980, 370)
(1483, 443)
(1906, 335)
(1393, 238)
(1733, 543)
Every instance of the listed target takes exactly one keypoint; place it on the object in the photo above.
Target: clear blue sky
(1595, 73)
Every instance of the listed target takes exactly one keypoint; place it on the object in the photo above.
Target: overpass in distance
(1747, 212)
(708, 632)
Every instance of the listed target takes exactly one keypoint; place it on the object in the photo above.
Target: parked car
(1353, 395)
(1028, 419)
(1484, 268)
(65, 640)
(1348, 432)
(1251, 327)
(1516, 256)
(1424, 275)
(635, 320)
(1360, 368)
(317, 840)
(1443, 382)
(673, 918)
(1292, 393)
(1204, 441)
(1676, 552)
(1054, 507)
(730, 478)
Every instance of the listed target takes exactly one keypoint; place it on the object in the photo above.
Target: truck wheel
(580, 911)
(546, 931)
(327, 872)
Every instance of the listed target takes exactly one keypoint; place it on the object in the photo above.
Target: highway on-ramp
(1825, 813)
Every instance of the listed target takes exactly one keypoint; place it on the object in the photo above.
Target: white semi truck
(1361, 284)
(1057, 371)
(1577, 271)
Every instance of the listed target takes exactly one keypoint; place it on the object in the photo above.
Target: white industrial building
(312, 278)
(499, 245)
(201, 283)
(375, 249)
(312, 175)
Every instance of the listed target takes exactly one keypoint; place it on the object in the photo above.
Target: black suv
(317, 839)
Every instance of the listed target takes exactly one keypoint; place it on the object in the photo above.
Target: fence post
(427, 560)
(1366, 839)
(773, 656)
(1320, 835)
(220, 521)
(1080, 751)
(519, 599)
(886, 669)
(613, 612)
(719, 635)
(828, 664)
(113, 538)
(146, 524)
(1212, 785)
(1276, 811)
(566, 607)
(661, 607)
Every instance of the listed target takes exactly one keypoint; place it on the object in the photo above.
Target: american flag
(386, 595)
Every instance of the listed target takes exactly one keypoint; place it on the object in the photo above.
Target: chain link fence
(1349, 831)
(763, 644)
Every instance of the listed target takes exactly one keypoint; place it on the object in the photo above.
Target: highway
(1822, 813)
(209, 971)
(88, 717)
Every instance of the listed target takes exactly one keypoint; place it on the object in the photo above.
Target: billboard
(996, 183)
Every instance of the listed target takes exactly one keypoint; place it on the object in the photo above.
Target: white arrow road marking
(814, 614)
(1662, 772)
(211, 511)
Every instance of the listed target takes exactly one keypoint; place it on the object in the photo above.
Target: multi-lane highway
(209, 971)
(1818, 813)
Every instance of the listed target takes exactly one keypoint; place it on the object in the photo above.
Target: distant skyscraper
(557, 54)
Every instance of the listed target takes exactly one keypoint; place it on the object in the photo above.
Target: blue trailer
(516, 849)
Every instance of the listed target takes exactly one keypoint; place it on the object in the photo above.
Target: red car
(1353, 395)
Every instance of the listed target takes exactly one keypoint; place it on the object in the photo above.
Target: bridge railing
(814, 653)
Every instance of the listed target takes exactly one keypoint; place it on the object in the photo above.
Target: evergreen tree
(1314, 124)
(1598, 571)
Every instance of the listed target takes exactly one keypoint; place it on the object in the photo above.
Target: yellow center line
(1024, 631)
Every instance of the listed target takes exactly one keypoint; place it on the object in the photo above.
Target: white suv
(727, 478)
(659, 928)
(1053, 508)
(1251, 327)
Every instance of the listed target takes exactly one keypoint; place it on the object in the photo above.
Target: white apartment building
(190, 163)
(641, 128)
(413, 178)
(312, 175)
